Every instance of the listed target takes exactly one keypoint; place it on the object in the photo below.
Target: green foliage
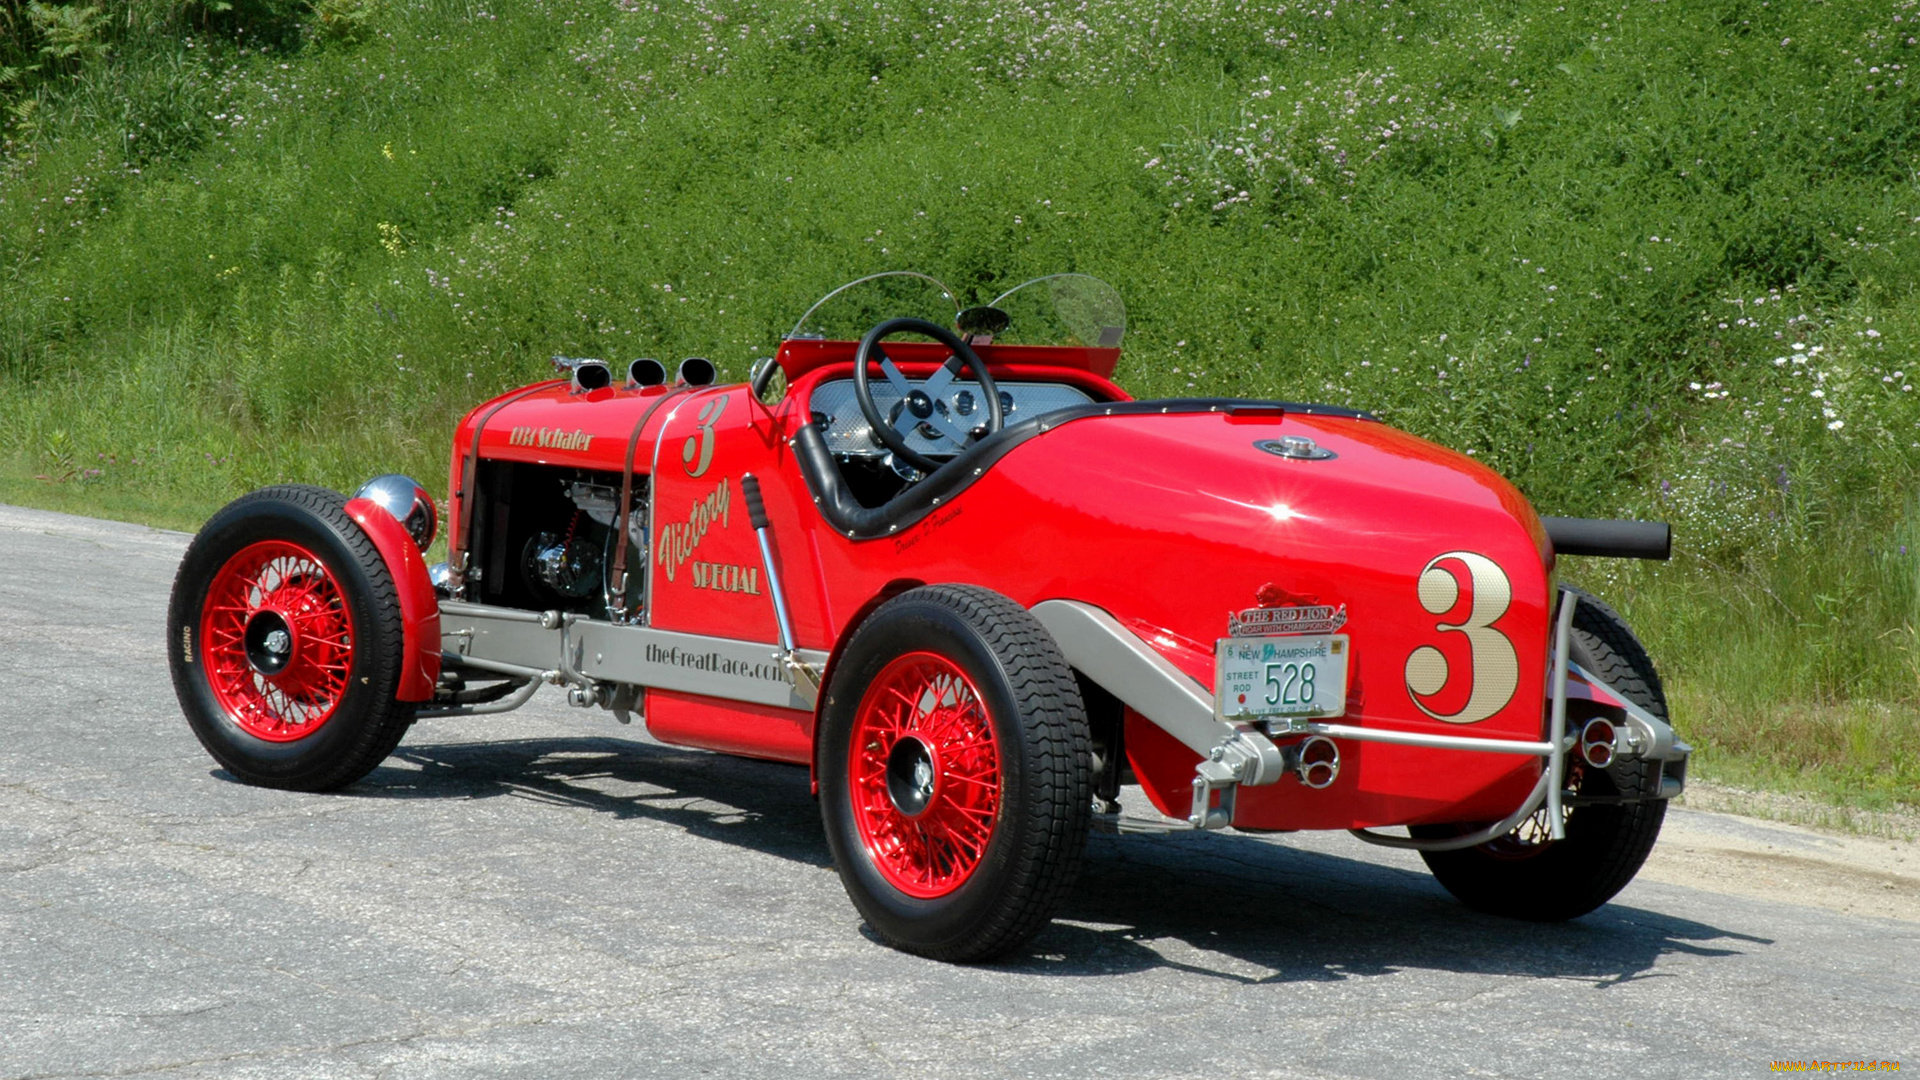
(1655, 260)
(347, 21)
(69, 33)
(81, 53)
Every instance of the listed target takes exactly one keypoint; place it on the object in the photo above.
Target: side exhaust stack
(586, 374)
(646, 371)
(696, 371)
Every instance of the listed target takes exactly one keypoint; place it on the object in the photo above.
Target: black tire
(1043, 766)
(362, 723)
(1524, 876)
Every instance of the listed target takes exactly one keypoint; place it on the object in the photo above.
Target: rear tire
(285, 641)
(1524, 875)
(955, 773)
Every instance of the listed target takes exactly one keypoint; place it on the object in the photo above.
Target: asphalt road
(547, 894)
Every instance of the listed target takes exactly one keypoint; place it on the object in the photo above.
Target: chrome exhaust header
(696, 371)
(586, 374)
(646, 371)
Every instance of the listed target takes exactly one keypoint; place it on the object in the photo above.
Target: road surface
(548, 894)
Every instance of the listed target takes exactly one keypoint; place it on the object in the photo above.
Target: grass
(1788, 673)
(1645, 259)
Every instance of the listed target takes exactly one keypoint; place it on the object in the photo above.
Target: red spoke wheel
(1528, 875)
(955, 773)
(284, 636)
(926, 775)
(277, 640)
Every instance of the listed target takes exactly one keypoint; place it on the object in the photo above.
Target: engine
(576, 562)
(545, 538)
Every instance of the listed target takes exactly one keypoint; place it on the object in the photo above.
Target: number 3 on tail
(1494, 670)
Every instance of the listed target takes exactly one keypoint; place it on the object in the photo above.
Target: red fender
(419, 607)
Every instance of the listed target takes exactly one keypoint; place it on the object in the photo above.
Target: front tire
(955, 773)
(284, 637)
(1526, 875)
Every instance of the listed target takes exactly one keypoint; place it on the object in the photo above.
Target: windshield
(1063, 309)
(1060, 309)
(848, 312)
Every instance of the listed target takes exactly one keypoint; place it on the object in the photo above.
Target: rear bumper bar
(1105, 651)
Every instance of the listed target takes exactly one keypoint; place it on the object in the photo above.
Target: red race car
(941, 559)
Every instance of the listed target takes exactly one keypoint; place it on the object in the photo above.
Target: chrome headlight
(408, 502)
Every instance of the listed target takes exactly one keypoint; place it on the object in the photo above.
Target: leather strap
(463, 529)
(626, 496)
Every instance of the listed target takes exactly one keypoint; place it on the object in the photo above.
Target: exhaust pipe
(697, 371)
(1314, 759)
(591, 375)
(1597, 742)
(646, 372)
(587, 374)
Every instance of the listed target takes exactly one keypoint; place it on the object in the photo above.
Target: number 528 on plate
(1295, 676)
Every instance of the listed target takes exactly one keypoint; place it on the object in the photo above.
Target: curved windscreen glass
(848, 312)
(1063, 309)
(1059, 309)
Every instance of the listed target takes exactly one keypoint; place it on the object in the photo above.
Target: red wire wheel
(955, 769)
(925, 775)
(286, 642)
(279, 640)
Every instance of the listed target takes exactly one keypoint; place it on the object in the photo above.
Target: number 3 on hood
(1494, 671)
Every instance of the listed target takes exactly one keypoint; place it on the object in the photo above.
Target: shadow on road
(1280, 914)
(1228, 906)
(763, 805)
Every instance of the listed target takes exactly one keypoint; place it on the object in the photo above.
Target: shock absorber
(801, 674)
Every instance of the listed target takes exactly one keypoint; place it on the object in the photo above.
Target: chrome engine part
(567, 564)
(600, 503)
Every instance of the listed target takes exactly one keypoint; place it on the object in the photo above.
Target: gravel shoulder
(1790, 864)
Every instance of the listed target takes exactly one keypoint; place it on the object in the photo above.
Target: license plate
(1296, 676)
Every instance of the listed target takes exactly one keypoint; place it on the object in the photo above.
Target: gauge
(963, 403)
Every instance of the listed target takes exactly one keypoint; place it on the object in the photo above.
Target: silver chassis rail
(595, 659)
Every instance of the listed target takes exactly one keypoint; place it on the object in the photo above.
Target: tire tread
(1043, 682)
(1035, 874)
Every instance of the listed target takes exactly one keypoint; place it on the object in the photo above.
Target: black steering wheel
(922, 406)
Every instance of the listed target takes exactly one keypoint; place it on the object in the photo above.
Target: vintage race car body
(1154, 541)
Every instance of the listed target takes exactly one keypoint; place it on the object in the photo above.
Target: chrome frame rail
(592, 658)
(1098, 646)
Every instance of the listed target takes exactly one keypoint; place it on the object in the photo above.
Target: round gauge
(963, 403)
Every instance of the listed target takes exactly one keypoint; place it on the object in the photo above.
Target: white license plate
(1297, 676)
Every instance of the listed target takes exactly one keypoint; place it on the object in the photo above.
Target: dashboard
(849, 435)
